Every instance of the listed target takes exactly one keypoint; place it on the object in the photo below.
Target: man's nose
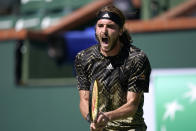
(105, 31)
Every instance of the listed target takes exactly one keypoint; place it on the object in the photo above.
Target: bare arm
(133, 100)
(84, 98)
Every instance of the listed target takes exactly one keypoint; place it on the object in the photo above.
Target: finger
(99, 119)
(102, 118)
(92, 126)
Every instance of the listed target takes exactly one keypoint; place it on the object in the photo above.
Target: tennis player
(122, 71)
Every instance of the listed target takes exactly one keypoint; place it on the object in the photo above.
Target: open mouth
(105, 40)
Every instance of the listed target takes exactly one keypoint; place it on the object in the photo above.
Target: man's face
(107, 33)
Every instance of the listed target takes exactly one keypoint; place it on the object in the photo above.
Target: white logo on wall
(171, 108)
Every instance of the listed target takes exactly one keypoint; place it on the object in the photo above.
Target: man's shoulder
(138, 59)
(88, 52)
(136, 53)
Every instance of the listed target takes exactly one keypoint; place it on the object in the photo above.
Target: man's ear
(121, 31)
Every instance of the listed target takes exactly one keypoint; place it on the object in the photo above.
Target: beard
(112, 41)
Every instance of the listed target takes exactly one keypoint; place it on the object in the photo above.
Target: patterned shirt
(127, 71)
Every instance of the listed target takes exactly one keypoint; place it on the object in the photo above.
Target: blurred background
(40, 38)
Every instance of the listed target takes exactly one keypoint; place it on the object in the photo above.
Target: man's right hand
(95, 127)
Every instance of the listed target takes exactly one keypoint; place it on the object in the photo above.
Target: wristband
(88, 118)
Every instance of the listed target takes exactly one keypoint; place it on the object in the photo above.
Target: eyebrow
(109, 24)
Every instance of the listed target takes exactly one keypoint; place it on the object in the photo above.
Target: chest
(108, 72)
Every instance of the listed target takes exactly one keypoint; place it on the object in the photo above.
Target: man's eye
(100, 25)
(111, 26)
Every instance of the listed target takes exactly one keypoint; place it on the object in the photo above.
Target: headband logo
(106, 16)
(111, 16)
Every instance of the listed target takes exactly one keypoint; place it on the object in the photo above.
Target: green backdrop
(55, 108)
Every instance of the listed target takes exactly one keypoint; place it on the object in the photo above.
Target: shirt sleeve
(140, 75)
(81, 76)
